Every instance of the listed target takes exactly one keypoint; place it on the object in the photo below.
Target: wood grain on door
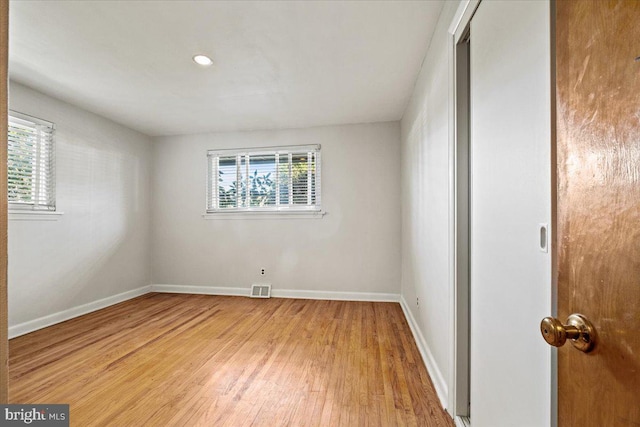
(598, 205)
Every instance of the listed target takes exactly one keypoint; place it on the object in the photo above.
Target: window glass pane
(242, 169)
(30, 163)
(262, 180)
(227, 182)
(21, 164)
(283, 178)
(312, 182)
(300, 178)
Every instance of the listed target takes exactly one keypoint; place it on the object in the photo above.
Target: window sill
(24, 215)
(266, 215)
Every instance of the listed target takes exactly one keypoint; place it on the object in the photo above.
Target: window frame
(29, 210)
(277, 210)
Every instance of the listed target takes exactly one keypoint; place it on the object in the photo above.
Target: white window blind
(264, 179)
(30, 163)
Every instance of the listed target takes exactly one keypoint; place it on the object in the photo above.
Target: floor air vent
(260, 291)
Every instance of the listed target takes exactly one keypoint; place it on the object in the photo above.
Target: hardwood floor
(189, 360)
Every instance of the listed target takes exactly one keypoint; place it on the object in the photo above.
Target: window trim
(261, 214)
(33, 215)
(267, 212)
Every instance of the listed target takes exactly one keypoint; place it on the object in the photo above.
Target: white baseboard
(427, 357)
(61, 316)
(201, 290)
(52, 319)
(279, 293)
(335, 295)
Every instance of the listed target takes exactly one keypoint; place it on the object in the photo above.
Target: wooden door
(598, 229)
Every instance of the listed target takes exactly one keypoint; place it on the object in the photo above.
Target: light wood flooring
(189, 360)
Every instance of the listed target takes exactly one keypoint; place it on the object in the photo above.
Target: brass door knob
(579, 330)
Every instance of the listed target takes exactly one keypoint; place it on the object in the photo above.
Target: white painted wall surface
(354, 248)
(425, 204)
(511, 195)
(100, 247)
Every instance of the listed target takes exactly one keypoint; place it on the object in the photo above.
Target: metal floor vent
(260, 291)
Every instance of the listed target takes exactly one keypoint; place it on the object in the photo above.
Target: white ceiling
(276, 64)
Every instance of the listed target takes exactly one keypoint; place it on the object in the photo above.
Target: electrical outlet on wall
(418, 301)
(262, 272)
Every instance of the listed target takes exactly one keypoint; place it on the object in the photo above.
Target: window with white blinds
(264, 179)
(30, 163)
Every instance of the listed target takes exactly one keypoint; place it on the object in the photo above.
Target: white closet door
(511, 197)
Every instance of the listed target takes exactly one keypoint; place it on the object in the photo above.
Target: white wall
(100, 247)
(355, 248)
(425, 205)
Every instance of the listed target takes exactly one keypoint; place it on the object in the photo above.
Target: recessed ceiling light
(203, 60)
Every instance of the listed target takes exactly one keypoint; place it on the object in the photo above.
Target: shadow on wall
(95, 249)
